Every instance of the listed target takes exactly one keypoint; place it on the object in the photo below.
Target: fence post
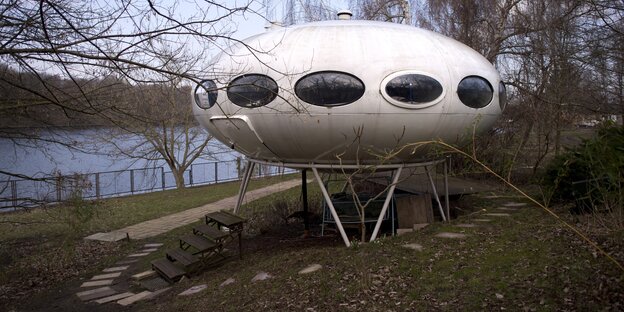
(97, 185)
(191, 176)
(131, 180)
(216, 172)
(162, 177)
(59, 180)
(14, 193)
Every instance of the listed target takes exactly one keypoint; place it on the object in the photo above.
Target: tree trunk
(178, 175)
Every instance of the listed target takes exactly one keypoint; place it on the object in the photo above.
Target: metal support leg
(331, 208)
(446, 189)
(435, 193)
(244, 183)
(384, 209)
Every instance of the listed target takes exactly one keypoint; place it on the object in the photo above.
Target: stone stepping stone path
(110, 276)
(311, 268)
(482, 220)
(451, 235)
(413, 246)
(506, 209)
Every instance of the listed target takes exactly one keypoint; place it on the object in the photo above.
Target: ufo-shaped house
(346, 93)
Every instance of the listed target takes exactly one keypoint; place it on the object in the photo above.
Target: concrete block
(115, 269)
(114, 297)
(97, 283)
(134, 298)
(96, 293)
(106, 276)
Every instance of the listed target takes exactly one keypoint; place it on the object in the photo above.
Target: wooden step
(182, 257)
(210, 232)
(167, 269)
(198, 242)
(224, 218)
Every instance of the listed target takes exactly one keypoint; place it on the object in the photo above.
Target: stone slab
(114, 297)
(96, 293)
(144, 275)
(507, 209)
(122, 262)
(157, 293)
(482, 220)
(113, 236)
(115, 269)
(193, 290)
(106, 276)
(105, 282)
(152, 245)
(261, 276)
(451, 235)
(414, 246)
(138, 255)
(311, 268)
(134, 298)
(227, 282)
(514, 204)
(149, 250)
(495, 214)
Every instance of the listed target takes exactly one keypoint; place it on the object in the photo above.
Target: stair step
(183, 257)
(169, 270)
(210, 232)
(224, 218)
(198, 242)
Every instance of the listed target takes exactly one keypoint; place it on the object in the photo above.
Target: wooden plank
(184, 258)
(414, 209)
(210, 232)
(198, 242)
(224, 218)
(168, 269)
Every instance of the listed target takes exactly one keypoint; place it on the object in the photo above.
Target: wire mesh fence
(34, 192)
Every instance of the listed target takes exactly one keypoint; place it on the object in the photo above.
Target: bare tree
(68, 62)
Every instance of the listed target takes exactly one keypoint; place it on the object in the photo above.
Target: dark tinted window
(475, 91)
(206, 94)
(329, 88)
(502, 95)
(414, 88)
(252, 90)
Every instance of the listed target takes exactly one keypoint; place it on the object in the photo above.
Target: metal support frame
(435, 194)
(244, 183)
(331, 207)
(397, 169)
(395, 179)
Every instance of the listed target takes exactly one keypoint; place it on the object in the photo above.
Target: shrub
(590, 175)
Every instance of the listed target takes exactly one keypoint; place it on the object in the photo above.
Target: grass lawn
(43, 248)
(523, 262)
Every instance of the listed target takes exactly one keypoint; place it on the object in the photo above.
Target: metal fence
(34, 192)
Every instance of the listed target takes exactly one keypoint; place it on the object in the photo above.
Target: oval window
(475, 91)
(502, 95)
(414, 88)
(253, 90)
(206, 94)
(329, 88)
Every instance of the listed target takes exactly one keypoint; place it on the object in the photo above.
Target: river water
(96, 168)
